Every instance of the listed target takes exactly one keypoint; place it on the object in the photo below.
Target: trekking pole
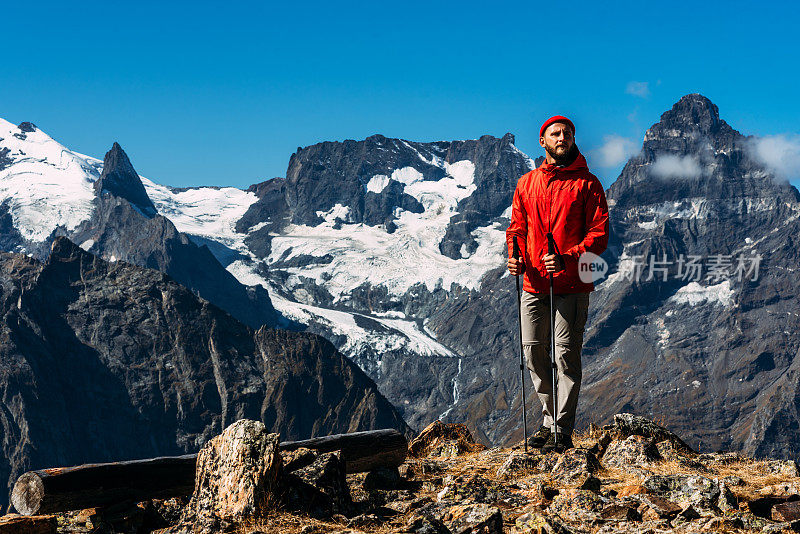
(551, 249)
(516, 255)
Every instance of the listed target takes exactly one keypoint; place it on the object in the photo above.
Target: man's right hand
(515, 266)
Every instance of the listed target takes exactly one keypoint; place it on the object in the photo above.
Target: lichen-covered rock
(634, 451)
(477, 489)
(578, 505)
(691, 489)
(787, 468)
(319, 489)
(784, 489)
(519, 464)
(659, 507)
(726, 501)
(443, 439)
(574, 465)
(237, 475)
(628, 424)
(474, 519)
(426, 525)
(535, 523)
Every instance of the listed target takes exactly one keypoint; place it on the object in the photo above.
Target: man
(562, 197)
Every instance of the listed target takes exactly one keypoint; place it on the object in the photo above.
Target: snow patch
(377, 183)
(47, 186)
(693, 294)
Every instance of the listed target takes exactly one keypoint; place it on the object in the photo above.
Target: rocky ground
(631, 476)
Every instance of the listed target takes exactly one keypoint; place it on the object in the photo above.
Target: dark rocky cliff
(108, 361)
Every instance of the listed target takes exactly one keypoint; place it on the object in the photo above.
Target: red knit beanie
(556, 118)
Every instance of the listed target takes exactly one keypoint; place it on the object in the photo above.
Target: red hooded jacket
(568, 201)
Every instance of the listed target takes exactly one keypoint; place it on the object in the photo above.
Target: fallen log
(362, 451)
(59, 489)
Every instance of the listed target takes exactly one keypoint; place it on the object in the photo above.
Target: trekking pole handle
(551, 243)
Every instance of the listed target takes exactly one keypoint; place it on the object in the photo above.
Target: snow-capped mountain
(47, 190)
(394, 250)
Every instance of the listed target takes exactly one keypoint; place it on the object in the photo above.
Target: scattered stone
(787, 511)
(363, 520)
(426, 525)
(626, 424)
(662, 508)
(588, 482)
(519, 464)
(726, 501)
(733, 481)
(578, 505)
(574, 465)
(634, 451)
(319, 489)
(474, 518)
(298, 458)
(620, 512)
(723, 523)
(667, 450)
(698, 490)
(776, 528)
(533, 523)
(547, 462)
(382, 478)
(689, 513)
(31, 524)
(237, 475)
(478, 490)
(784, 489)
(787, 468)
(633, 489)
(443, 439)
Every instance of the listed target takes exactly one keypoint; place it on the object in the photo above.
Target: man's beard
(562, 160)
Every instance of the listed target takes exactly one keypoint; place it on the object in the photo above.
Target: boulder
(474, 519)
(237, 477)
(574, 465)
(787, 511)
(443, 439)
(633, 451)
(627, 424)
(578, 505)
(518, 464)
(690, 489)
(320, 488)
(535, 523)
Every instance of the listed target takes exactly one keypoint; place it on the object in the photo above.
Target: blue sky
(208, 93)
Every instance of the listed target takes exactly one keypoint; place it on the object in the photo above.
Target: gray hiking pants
(571, 312)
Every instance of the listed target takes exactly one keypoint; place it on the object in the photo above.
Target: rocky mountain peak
(694, 111)
(64, 249)
(27, 127)
(120, 179)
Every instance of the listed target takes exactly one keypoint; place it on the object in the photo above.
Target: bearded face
(559, 142)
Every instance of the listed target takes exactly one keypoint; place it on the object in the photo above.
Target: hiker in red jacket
(562, 197)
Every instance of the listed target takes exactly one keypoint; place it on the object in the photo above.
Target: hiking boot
(564, 443)
(539, 438)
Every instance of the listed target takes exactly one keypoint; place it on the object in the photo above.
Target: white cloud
(640, 89)
(615, 150)
(780, 153)
(671, 166)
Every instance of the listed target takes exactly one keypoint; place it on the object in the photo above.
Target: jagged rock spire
(121, 180)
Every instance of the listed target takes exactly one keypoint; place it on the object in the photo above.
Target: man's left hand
(553, 263)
